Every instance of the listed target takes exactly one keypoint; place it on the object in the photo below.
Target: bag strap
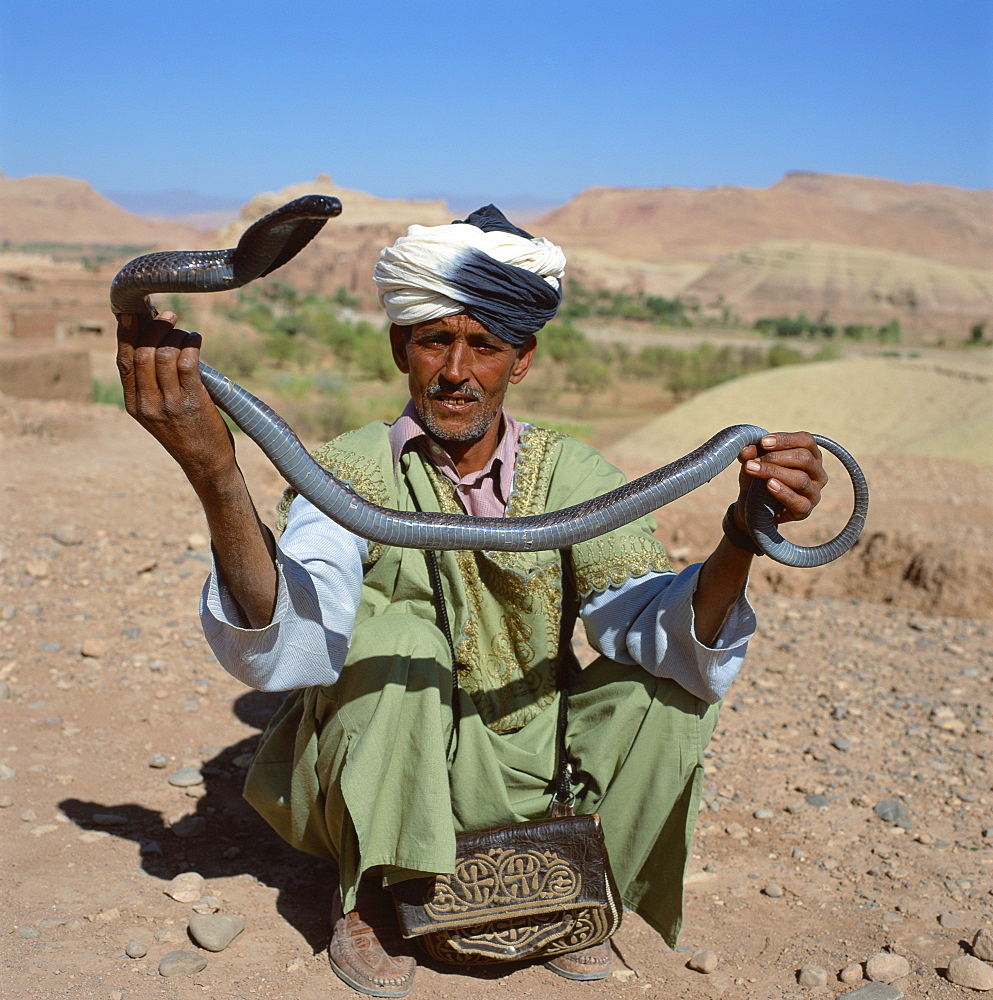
(562, 797)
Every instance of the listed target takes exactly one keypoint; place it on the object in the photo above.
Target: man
(361, 763)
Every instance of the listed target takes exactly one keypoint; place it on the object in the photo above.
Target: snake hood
(507, 279)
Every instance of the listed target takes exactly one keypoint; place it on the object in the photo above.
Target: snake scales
(275, 239)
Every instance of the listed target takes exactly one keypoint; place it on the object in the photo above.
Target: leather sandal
(585, 966)
(366, 950)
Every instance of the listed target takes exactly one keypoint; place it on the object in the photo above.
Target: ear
(398, 343)
(525, 356)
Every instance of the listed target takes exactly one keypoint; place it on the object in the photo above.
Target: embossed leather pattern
(518, 892)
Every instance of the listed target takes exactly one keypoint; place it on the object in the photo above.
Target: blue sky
(523, 97)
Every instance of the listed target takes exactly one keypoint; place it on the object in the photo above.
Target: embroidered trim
(610, 560)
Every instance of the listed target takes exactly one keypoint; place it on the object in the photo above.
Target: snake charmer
(366, 762)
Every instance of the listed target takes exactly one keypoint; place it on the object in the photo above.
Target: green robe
(360, 771)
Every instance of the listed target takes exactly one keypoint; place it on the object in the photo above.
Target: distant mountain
(53, 209)
(662, 225)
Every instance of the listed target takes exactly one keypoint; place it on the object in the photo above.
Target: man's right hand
(163, 392)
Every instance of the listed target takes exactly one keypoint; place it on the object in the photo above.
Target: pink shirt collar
(484, 493)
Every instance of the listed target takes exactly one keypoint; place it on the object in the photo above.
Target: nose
(456, 366)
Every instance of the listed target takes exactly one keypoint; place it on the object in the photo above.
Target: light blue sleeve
(319, 565)
(649, 621)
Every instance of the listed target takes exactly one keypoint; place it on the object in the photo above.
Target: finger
(789, 440)
(149, 363)
(795, 505)
(188, 366)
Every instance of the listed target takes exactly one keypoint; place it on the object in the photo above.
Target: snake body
(274, 240)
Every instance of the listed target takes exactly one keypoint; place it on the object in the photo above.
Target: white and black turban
(507, 279)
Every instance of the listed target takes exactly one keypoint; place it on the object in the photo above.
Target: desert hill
(53, 209)
(673, 224)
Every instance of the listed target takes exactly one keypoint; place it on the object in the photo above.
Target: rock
(982, 944)
(136, 949)
(109, 819)
(953, 921)
(840, 743)
(7, 772)
(215, 931)
(851, 974)
(763, 814)
(885, 967)
(182, 963)
(704, 961)
(27, 931)
(812, 976)
(94, 648)
(295, 965)
(818, 802)
(5, 691)
(6, 801)
(158, 760)
(875, 991)
(893, 810)
(970, 972)
(208, 904)
(186, 887)
(736, 831)
(186, 777)
(189, 826)
(772, 890)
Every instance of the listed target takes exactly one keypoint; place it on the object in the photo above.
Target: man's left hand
(790, 464)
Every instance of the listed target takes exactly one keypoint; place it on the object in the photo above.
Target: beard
(472, 431)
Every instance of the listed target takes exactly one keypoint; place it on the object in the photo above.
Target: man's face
(458, 373)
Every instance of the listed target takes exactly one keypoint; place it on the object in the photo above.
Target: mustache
(450, 388)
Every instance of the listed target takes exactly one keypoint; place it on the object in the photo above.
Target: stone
(893, 810)
(215, 931)
(95, 649)
(818, 801)
(736, 831)
(704, 961)
(208, 904)
(885, 967)
(840, 743)
(27, 931)
(186, 777)
(772, 890)
(763, 814)
(189, 826)
(812, 976)
(851, 974)
(982, 944)
(7, 772)
(136, 949)
(182, 963)
(970, 972)
(953, 921)
(875, 991)
(158, 760)
(187, 887)
(6, 801)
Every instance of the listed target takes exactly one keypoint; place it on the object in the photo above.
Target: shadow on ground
(224, 837)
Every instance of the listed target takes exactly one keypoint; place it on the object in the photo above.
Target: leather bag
(526, 891)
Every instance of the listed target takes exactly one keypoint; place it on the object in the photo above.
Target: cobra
(278, 237)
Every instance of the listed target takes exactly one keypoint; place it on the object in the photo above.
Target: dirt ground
(845, 702)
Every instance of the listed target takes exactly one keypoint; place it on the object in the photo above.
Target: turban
(505, 278)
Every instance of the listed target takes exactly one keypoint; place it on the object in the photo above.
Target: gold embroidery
(612, 559)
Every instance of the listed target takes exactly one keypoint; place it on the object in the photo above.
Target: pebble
(158, 760)
(27, 931)
(763, 814)
(187, 887)
(6, 772)
(182, 963)
(28, 816)
(736, 831)
(982, 945)
(5, 691)
(95, 649)
(186, 777)
(951, 920)
(851, 974)
(885, 967)
(840, 743)
(970, 972)
(704, 961)
(189, 826)
(875, 991)
(295, 965)
(136, 949)
(215, 931)
(6, 801)
(208, 904)
(818, 802)
(67, 534)
(893, 810)
(772, 890)
(812, 976)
